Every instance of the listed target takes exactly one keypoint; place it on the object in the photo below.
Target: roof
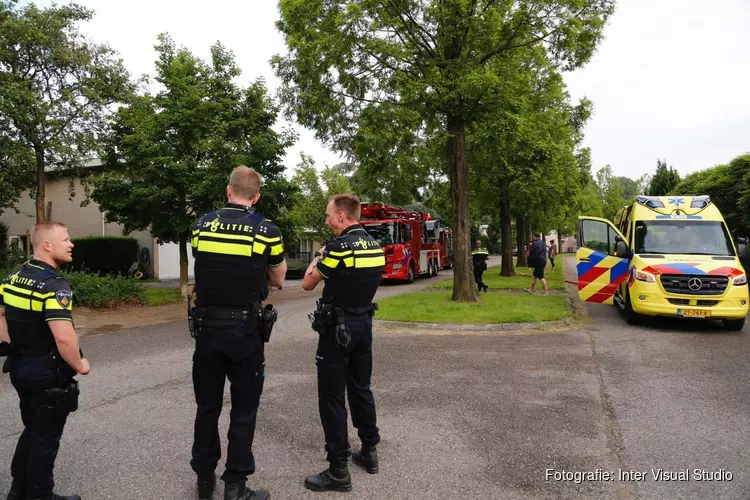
(675, 207)
(86, 164)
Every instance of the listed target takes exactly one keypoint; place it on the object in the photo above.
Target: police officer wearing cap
(238, 254)
(351, 266)
(36, 320)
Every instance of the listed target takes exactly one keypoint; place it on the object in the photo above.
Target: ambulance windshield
(682, 236)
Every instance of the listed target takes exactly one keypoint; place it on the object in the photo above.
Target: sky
(670, 80)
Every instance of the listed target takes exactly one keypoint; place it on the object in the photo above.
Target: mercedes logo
(695, 284)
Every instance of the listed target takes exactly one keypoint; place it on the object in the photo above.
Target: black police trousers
(44, 417)
(237, 354)
(478, 272)
(346, 369)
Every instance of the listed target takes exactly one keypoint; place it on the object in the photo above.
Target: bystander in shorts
(539, 270)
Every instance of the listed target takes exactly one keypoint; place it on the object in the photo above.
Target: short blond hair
(245, 182)
(347, 203)
(41, 231)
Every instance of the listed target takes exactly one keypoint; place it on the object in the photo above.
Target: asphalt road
(480, 416)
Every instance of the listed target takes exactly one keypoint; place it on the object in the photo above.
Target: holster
(330, 320)
(64, 398)
(322, 319)
(193, 324)
(267, 317)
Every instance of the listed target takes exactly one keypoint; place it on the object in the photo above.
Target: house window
(18, 242)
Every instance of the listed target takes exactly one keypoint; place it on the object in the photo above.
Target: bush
(95, 291)
(106, 255)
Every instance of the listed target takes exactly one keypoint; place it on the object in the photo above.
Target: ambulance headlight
(644, 276)
(740, 280)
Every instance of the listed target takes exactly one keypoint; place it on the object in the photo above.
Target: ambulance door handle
(585, 259)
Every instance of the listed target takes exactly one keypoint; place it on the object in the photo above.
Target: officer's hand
(85, 367)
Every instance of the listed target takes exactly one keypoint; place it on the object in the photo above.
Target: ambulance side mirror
(621, 248)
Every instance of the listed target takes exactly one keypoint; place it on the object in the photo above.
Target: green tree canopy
(179, 145)
(309, 203)
(664, 180)
(729, 188)
(414, 70)
(610, 191)
(57, 89)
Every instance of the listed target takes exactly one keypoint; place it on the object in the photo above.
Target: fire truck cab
(414, 243)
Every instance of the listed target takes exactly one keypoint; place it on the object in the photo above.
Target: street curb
(492, 327)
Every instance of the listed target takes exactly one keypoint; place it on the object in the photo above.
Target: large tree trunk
(521, 241)
(506, 268)
(41, 183)
(183, 264)
(463, 288)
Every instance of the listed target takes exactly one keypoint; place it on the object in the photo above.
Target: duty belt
(221, 316)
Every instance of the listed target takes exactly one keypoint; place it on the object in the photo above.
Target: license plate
(694, 313)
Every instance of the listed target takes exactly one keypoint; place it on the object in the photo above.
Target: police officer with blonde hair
(36, 320)
(351, 265)
(238, 253)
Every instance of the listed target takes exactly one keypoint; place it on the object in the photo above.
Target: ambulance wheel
(631, 317)
(734, 325)
(412, 274)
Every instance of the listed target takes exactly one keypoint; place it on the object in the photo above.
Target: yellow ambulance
(663, 256)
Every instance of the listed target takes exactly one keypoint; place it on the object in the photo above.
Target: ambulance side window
(598, 236)
(595, 236)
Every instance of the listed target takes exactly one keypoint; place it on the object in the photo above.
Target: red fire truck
(414, 243)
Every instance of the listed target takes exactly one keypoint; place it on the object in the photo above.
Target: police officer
(36, 319)
(238, 254)
(479, 257)
(351, 266)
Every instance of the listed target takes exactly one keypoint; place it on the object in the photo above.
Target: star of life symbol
(676, 201)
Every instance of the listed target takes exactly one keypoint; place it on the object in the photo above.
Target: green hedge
(107, 255)
(104, 291)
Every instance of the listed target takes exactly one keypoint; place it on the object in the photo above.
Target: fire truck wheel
(411, 273)
(435, 268)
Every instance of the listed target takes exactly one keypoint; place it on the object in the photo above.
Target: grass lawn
(161, 296)
(437, 307)
(495, 282)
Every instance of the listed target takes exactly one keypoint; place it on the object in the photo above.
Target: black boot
(367, 457)
(332, 479)
(238, 491)
(206, 486)
(485, 288)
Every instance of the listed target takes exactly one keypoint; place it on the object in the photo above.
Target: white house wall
(81, 221)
